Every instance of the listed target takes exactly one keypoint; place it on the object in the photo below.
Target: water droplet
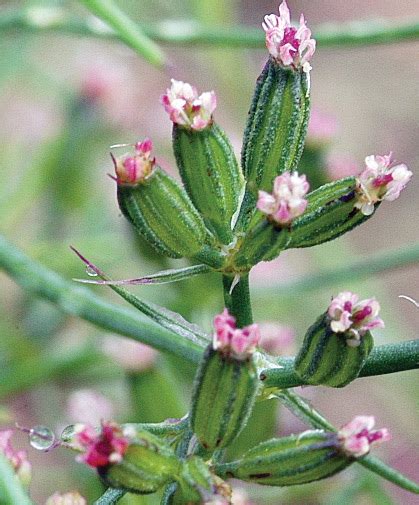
(41, 438)
(68, 433)
(90, 272)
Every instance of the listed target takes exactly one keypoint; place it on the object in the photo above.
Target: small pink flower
(137, 168)
(230, 340)
(354, 317)
(290, 46)
(18, 459)
(101, 448)
(287, 200)
(357, 436)
(88, 406)
(381, 180)
(72, 498)
(186, 108)
(132, 356)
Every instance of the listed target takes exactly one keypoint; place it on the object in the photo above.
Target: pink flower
(277, 339)
(88, 406)
(18, 459)
(101, 448)
(186, 108)
(137, 168)
(357, 436)
(354, 317)
(290, 46)
(322, 127)
(237, 342)
(132, 356)
(380, 181)
(72, 498)
(287, 200)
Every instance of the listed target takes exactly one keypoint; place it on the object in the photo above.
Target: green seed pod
(162, 213)
(288, 461)
(195, 481)
(275, 130)
(325, 357)
(147, 465)
(331, 212)
(211, 175)
(224, 393)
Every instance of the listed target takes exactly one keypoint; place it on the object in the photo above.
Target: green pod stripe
(275, 130)
(223, 397)
(211, 175)
(298, 459)
(146, 467)
(331, 212)
(263, 242)
(162, 213)
(326, 359)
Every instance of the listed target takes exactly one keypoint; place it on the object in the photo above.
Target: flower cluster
(100, 448)
(357, 436)
(240, 343)
(354, 317)
(72, 498)
(135, 169)
(290, 46)
(186, 108)
(18, 459)
(381, 180)
(287, 200)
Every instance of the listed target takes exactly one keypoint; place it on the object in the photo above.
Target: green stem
(237, 299)
(11, 490)
(81, 302)
(384, 359)
(110, 497)
(190, 33)
(126, 29)
(380, 468)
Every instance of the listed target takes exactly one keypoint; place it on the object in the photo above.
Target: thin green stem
(11, 490)
(126, 29)
(78, 301)
(384, 359)
(237, 299)
(361, 268)
(190, 33)
(110, 497)
(380, 468)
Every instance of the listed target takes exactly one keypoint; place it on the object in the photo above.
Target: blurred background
(64, 100)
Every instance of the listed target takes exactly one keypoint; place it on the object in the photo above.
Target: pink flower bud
(134, 169)
(381, 180)
(100, 448)
(72, 498)
(18, 459)
(186, 108)
(237, 342)
(354, 317)
(287, 200)
(357, 436)
(290, 46)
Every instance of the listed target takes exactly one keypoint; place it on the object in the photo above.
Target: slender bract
(211, 175)
(297, 459)
(275, 130)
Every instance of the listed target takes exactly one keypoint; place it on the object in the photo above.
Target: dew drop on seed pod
(41, 438)
(90, 272)
(68, 433)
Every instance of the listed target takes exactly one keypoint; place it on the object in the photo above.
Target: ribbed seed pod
(162, 213)
(147, 465)
(211, 175)
(223, 397)
(297, 459)
(325, 357)
(275, 130)
(331, 212)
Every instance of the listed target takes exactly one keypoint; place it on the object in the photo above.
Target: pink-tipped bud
(18, 459)
(186, 108)
(357, 436)
(134, 169)
(72, 498)
(239, 343)
(354, 317)
(287, 199)
(100, 448)
(381, 180)
(290, 46)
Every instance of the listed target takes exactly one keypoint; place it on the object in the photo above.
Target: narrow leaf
(11, 490)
